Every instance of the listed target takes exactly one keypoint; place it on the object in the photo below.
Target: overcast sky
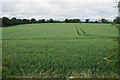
(59, 9)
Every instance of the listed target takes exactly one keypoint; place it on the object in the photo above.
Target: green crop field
(58, 50)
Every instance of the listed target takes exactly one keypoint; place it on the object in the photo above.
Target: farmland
(56, 49)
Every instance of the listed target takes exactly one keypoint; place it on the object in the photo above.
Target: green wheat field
(58, 50)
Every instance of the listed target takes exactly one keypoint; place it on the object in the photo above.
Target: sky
(59, 9)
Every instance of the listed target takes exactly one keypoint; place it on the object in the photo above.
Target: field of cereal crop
(58, 49)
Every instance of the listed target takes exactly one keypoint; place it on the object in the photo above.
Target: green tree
(117, 20)
(5, 22)
(66, 20)
(104, 20)
(96, 22)
(39, 21)
(76, 20)
(26, 21)
(33, 20)
(87, 20)
(51, 20)
(43, 20)
(13, 21)
(0, 22)
(18, 21)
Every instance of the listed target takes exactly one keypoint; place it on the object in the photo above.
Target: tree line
(14, 21)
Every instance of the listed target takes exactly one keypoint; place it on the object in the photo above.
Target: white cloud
(59, 0)
(92, 9)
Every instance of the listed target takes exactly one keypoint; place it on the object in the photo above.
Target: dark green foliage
(51, 21)
(39, 21)
(96, 22)
(25, 21)
(0, 22)
(117, 20)
(33, 20)
(19, 21)
(66, 20)
(104, 20)
(5, 21)
(55, 21)
(43, 20)
(14, 21)
(87, 20)
(72, 20)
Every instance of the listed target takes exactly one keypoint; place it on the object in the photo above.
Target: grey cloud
(8, 7)
(59, 10)
(58, 0)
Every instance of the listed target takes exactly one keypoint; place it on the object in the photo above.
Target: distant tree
(0, 22)
(66, 20)
(39, 21)
(51, 20)
(19, 21)
(96, 22)
(25, 21)
(55, 21)
(76, 20)
(13, 21)
(33, 20)
(28, 21)
(70, 21)
(87, 20)
(5, 21)
(104, 20)
(43, 20)
(99, 21)
(117, 20)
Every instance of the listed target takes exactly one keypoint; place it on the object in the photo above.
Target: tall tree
(43, 21)
(5, 22)
(66, 20)
(76, 20)
(19, 21)
(96, 21)
(27, 21)
(117, 20)
(13, 21)
(39, 21)
(33, 20)
(87, 20)
(51, 20)
(104, 20)
(0, 22)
